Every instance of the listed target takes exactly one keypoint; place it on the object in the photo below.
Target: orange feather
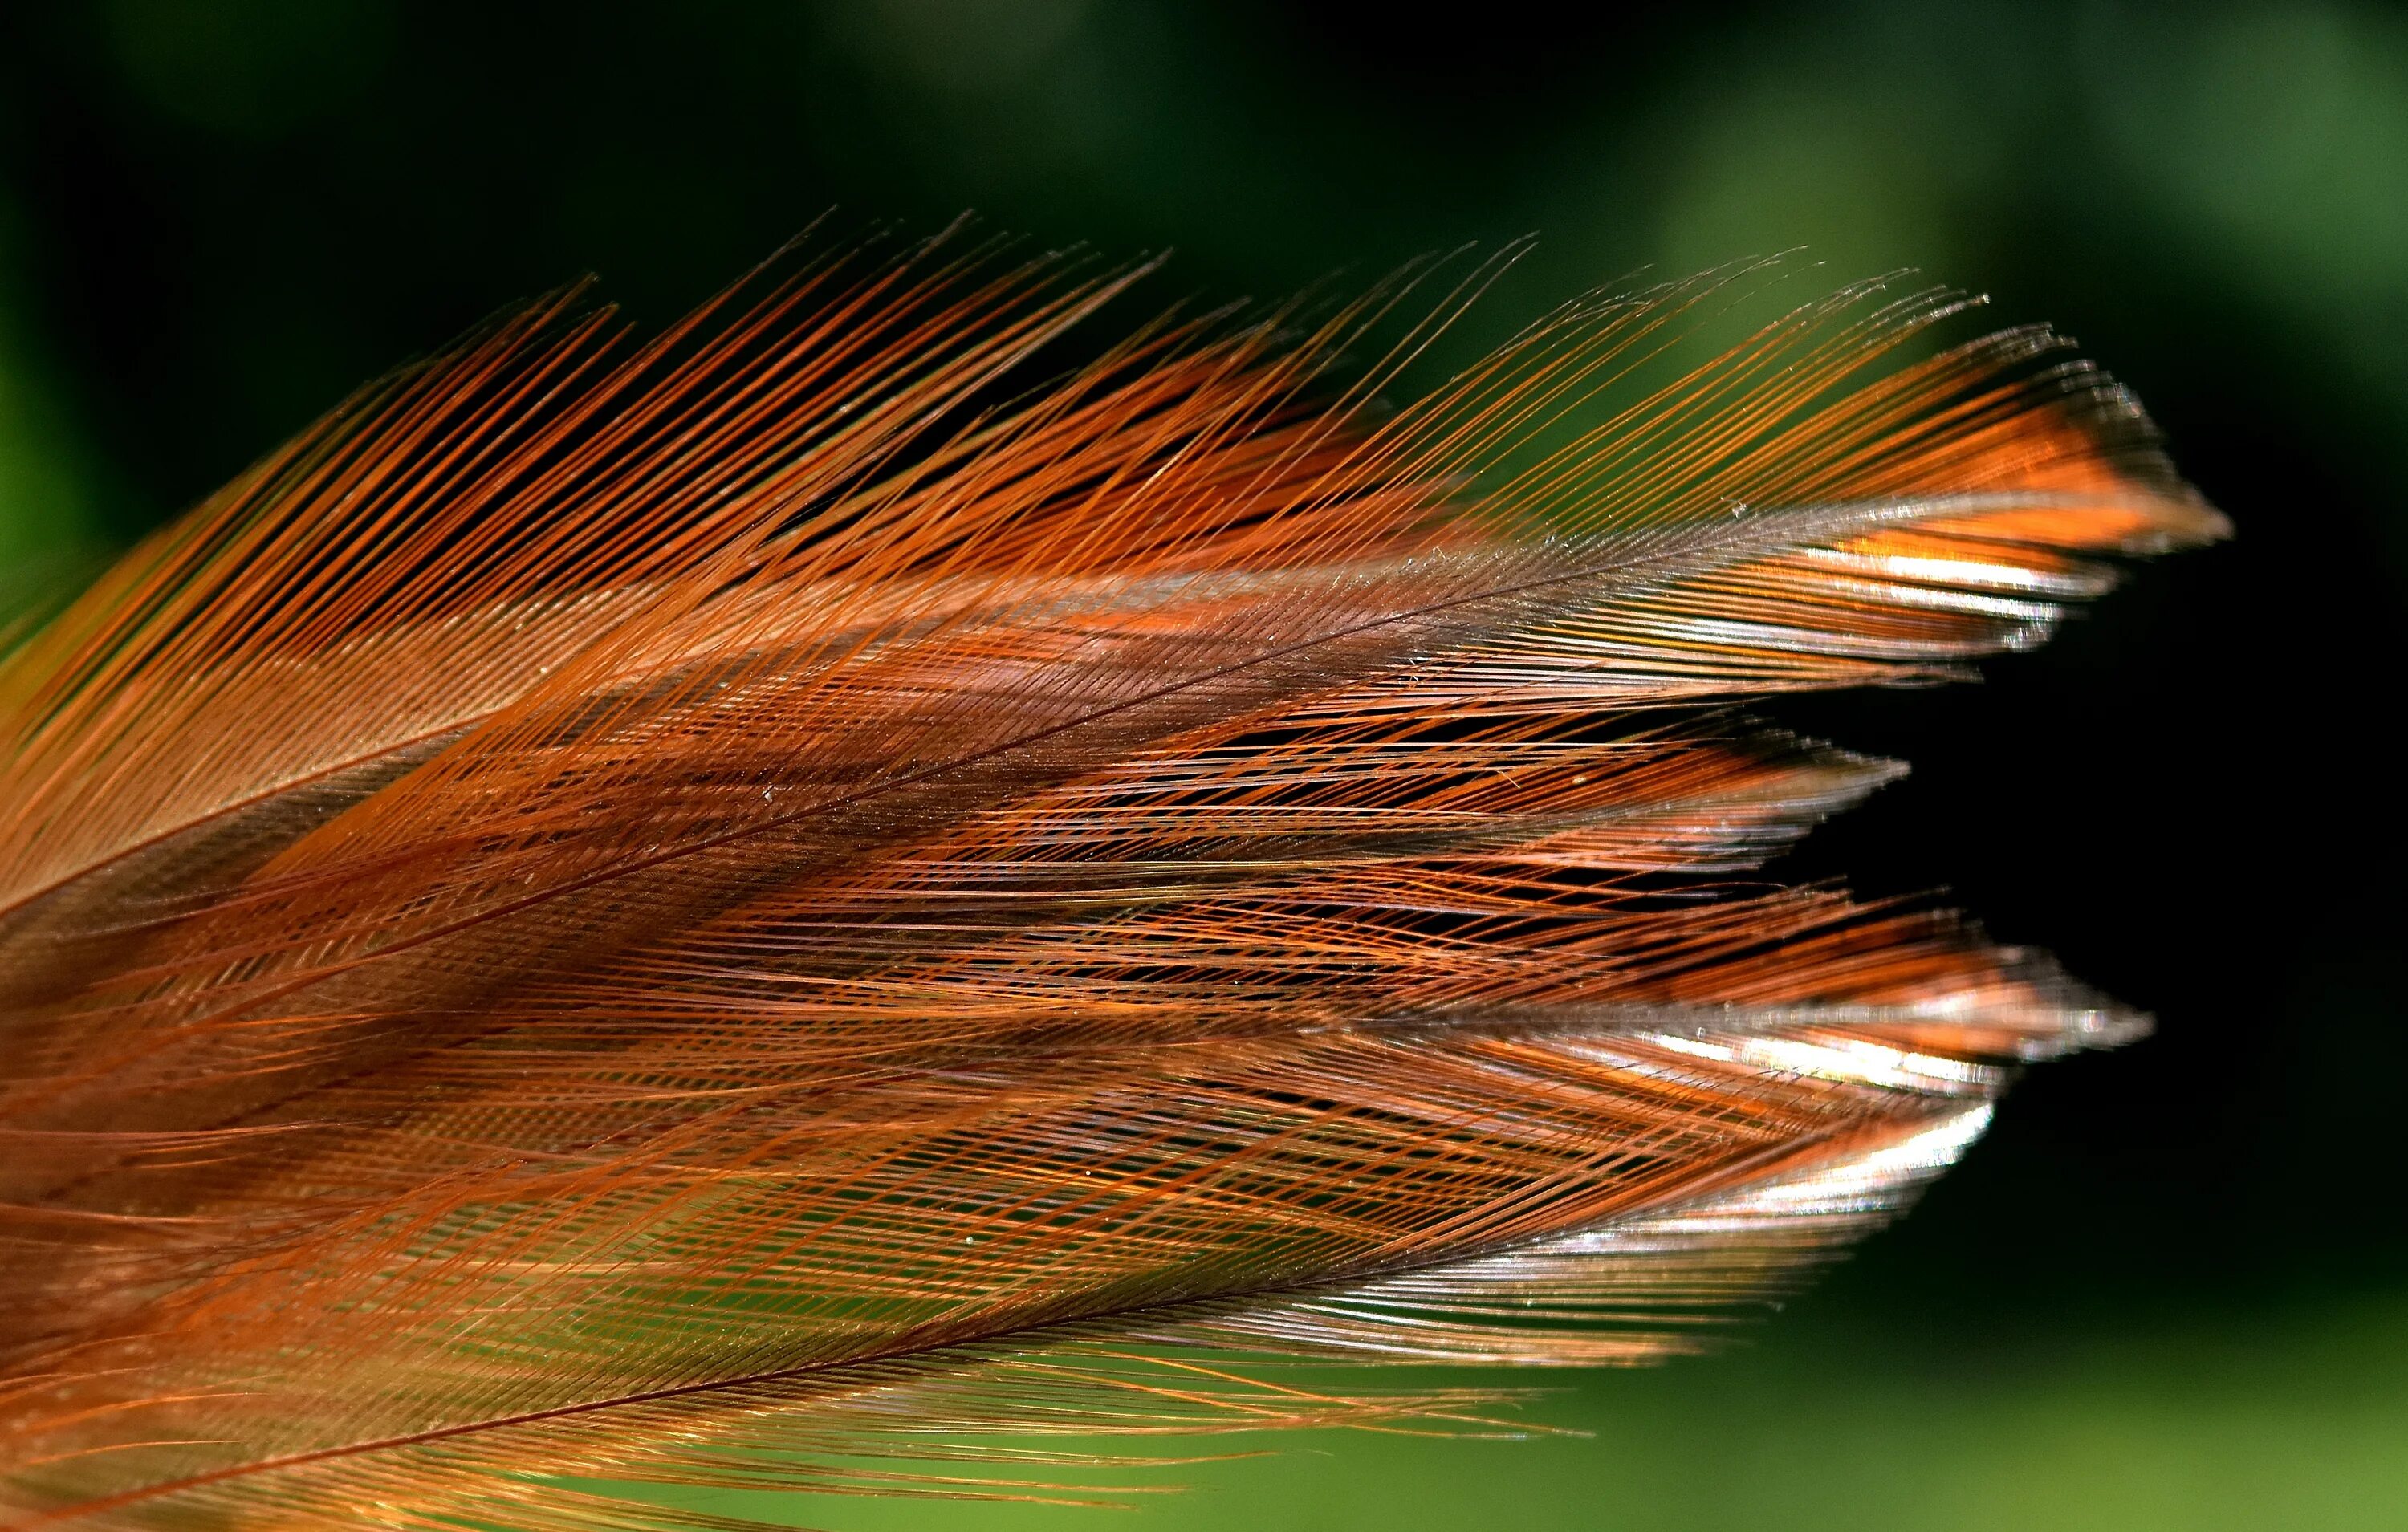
(698, 912)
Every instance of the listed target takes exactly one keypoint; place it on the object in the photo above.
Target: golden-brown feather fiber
(825, 884)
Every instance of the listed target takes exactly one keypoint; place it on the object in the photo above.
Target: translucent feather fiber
(720, 911)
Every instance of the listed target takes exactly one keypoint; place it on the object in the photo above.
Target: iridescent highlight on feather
(826, 886)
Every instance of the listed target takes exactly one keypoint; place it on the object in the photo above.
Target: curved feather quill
(699, 911)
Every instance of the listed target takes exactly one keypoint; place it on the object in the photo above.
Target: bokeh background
(2172, 1289)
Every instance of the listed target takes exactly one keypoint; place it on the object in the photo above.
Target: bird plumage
(701, 911)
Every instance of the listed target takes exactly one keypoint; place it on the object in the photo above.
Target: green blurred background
(2172, 1289)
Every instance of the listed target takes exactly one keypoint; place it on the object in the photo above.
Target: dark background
(2171, 1288)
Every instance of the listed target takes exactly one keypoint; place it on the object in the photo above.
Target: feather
(829, 884)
